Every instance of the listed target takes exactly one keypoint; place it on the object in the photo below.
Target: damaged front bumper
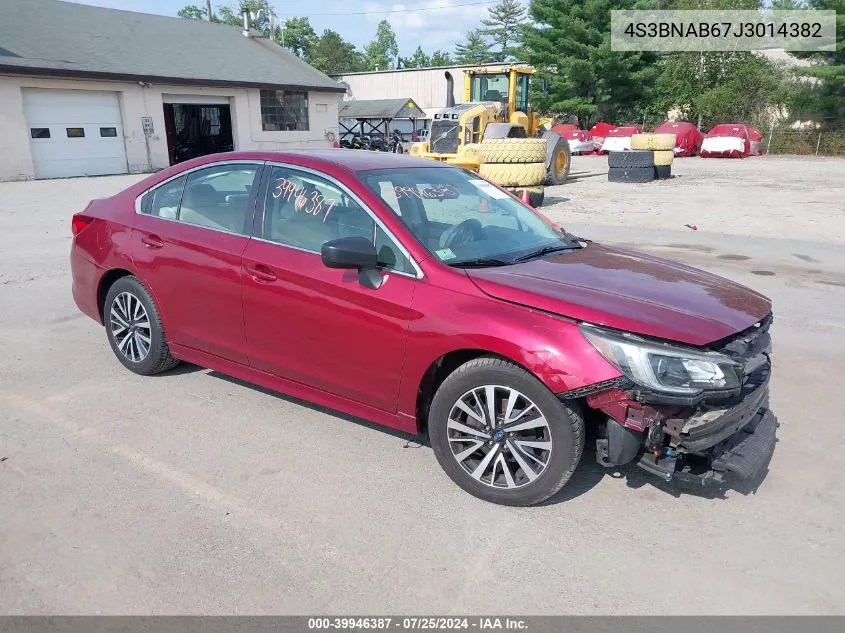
(711, 443)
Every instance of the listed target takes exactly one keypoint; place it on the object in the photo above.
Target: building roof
(49, 37)
(381, 109)
(443, 68)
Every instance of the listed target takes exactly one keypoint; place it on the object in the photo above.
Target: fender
(552, 348)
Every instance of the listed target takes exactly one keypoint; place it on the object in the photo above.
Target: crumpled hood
(628, 291)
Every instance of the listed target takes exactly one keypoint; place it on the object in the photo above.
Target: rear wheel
(501, 435)
(134, 329)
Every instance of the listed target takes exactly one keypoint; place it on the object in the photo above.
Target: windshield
(462, 219)
(489, 88)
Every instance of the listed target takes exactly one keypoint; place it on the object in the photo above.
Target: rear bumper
(85, 276)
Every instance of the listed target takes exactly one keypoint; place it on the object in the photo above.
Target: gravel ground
(778, 197)
(192, 493)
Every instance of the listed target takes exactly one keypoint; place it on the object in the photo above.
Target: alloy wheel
(130, 327)
(499, 436)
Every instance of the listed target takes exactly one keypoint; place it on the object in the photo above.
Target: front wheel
(501, 435)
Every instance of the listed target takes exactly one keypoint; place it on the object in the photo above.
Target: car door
(189, 236)
(317, 325)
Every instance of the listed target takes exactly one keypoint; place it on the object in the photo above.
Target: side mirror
(349, 252)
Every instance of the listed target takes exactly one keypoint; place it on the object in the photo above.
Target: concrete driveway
(193, 493)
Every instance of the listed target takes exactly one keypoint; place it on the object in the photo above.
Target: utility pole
(208, 8)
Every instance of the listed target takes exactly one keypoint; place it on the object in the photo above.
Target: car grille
(751, 348)
(444, 137)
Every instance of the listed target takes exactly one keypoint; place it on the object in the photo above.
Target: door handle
(261, 273)
(152, 241)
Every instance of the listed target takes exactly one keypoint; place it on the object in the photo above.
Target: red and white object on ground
(727, 140)
(580, 141)
(756, 138)
(688, 138)
(599, 132)
(618, 139)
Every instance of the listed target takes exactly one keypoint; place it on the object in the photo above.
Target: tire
(640, 158)
(662, 172)
(514, 175)
(630, 174)
(560, 160)
(653, 141)
(512, 150)
(564, 428)
(663, 157)
(119, 301)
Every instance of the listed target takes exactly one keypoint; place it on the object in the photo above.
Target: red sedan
(419, 296)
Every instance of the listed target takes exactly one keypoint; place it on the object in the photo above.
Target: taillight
(78, 223)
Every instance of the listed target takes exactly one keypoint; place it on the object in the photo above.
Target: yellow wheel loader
(495, 132)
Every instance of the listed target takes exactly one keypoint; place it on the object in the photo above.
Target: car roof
(349, 159)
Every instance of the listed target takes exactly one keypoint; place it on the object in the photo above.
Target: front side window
(462, 219)
(304, 211)
(284, 110)
(522, 93)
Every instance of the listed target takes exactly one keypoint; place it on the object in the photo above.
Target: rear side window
(218, 197)
(164, 200)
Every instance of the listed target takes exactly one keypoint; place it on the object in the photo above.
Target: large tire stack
(650, 159)
(513, 162)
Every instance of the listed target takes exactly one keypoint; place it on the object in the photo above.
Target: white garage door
(74, 133)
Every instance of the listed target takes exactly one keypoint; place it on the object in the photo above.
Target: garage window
(39, 132)
(108, 132)
(284, 110)
(75, 132)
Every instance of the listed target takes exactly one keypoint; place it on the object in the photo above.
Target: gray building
(88, 91)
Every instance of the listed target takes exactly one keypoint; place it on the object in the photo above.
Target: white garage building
(92, 91)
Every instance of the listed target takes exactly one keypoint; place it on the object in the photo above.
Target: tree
(723, 87)
(298, 36)
(382, 52)
(333, 55)
(825, 97)
(193, 12)
(569, 45)
(475, 50)
(418, 60)
(439, 58)
(503, 25)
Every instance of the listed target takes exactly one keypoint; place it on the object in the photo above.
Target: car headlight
(662, 367)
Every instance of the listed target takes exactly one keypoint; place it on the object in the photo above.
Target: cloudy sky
(432, 24)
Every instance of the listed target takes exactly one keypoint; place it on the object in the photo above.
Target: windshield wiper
(481, 262)
(546, 250)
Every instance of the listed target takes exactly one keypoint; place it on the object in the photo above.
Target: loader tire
(514, 174)
(638, 158)
(630, 174)
(559, 160)
(662, 172)
(663, 157)
(512, 150)
(653, 141)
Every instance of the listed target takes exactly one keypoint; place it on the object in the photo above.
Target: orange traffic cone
(525, 198)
